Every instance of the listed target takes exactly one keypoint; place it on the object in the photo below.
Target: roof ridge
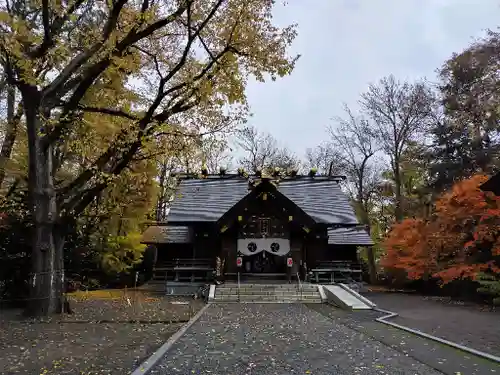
(237, 176)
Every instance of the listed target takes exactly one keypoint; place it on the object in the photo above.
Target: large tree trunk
(47, 261)
(10, 132)
(398, 211)
(160, 205)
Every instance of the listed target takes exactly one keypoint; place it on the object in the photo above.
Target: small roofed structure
(166, 235)
(357, 236)
(341, 261)
(493, 184)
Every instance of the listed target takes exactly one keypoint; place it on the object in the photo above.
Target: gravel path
(237, 339)
(438, 356)
(461, 323)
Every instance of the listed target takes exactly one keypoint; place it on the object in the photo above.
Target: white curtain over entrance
(251, 246)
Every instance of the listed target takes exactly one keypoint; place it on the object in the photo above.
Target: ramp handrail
(299, 285)
(238, 286)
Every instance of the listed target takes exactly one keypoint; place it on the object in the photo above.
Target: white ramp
(344, 297)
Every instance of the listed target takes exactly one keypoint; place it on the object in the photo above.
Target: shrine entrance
(264, 262)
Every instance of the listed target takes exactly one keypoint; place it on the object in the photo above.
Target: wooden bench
(186, 270)
(336, 270)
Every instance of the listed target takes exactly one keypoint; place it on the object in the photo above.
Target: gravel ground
(472, 325)
(440, 357)
(281, 339)
(107, 334)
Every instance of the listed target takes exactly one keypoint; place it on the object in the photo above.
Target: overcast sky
(346, 44)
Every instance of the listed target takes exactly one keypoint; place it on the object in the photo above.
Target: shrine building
(257, 227)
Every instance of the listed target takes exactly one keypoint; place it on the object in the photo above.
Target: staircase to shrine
(266, 293)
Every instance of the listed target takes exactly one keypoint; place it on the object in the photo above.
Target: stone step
(267, 300)
(266, 297)
(265, 292)
(272, 286)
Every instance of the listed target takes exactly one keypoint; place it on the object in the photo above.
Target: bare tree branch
(399, 113)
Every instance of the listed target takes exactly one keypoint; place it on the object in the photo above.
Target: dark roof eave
(165, 243)
(493, 184)
(350, 244)
(340, 225)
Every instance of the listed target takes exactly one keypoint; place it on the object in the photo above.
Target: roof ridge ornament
(242, 172)
(204, 170)
(277, 172)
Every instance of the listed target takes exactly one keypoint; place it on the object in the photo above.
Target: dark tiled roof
(493, 184)
(349, 236)
(323, 200)
(163, 234)
(208, 199)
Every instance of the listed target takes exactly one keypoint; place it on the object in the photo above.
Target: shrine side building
(256, 227)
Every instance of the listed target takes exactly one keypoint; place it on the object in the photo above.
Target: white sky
(346, 44)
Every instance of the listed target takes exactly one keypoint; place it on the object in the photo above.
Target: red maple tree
(460, 240)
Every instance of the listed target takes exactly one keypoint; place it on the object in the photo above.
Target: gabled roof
(323, 200)
(272, 194)
(206, 200)
(164, 234)
(349, 236)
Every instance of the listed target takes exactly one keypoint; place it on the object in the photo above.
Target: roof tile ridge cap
(316, 180)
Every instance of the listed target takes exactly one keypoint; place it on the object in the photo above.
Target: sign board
(239, 261)
(289, 262)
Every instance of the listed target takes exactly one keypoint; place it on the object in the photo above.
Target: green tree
(414, 171)
(192, 59)
(466, 138)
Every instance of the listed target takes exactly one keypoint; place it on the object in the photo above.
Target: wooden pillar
(296, 254)
(230, 251)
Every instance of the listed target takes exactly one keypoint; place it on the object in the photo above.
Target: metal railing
(238, 286)
(166, 282)
(299, 285)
